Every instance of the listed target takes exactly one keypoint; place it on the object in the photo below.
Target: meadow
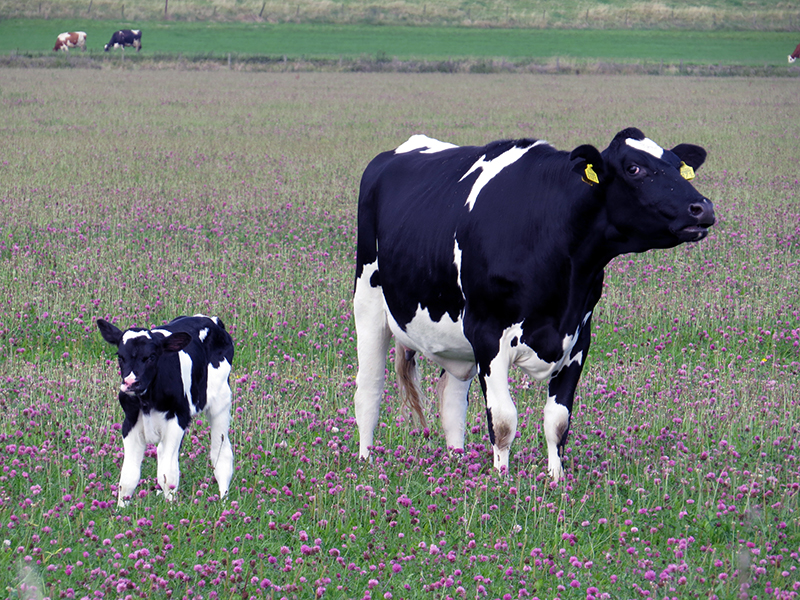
(171, 40)
(137, 196)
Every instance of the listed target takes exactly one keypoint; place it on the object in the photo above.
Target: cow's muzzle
(702, 215)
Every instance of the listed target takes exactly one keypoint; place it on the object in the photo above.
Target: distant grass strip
(404, 43)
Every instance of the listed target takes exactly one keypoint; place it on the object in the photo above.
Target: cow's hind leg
(453, 408)
(218, 411)
(373, 337)
(168, 449)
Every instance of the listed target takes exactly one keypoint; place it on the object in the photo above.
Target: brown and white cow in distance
(70, 39)
(795, 55)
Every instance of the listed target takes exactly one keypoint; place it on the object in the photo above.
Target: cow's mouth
(692, 233)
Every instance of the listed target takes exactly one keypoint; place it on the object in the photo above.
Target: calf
(125, 37)
(70, 39)
(169, 374)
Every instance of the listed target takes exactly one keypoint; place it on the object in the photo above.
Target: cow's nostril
(696, 210)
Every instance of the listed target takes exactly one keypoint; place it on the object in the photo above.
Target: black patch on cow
(489, 424)
(375, 280)
(514, 342)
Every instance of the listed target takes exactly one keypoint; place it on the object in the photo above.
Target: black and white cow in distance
(169, 374)
(125, 37)
(481, 258)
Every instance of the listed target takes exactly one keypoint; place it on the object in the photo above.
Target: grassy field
(766, 15)
(137, 196)
(405, 43)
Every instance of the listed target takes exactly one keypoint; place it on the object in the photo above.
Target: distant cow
(70, 39)
(482, 258)
(795, 55)
(125, 37)
(169, 374)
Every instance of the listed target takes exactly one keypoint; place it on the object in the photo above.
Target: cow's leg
(558, 409)
(218, 411)
(168, 449)
(373, 338)
(134, 445)
(453, 408)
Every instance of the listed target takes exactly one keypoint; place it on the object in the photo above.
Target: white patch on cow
(186, 378)
(203, 334)
(556, 420)
(135, 31)
(436, 339)
(457, 263)
(163, 332)
(131, 335)
(646, 145)
(419, 141)
(490, 169)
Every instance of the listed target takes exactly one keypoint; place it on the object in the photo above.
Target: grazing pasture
(138, 196)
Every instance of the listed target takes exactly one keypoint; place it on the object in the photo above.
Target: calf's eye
(633, 170)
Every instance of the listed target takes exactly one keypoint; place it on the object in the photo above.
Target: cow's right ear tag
(589, 176)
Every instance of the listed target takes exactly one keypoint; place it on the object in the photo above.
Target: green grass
(432, 43)
(234, 194)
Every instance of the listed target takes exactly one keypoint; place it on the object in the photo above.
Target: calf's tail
(405, 366)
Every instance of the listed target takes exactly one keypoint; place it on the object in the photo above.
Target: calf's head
(139, 352)
(649, 200)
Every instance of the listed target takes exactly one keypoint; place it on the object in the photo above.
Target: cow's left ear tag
(589, 176)
(687, 172)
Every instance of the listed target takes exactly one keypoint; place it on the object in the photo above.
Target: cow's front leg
(134, 445)
(168, 450)
(218, 410)
(561, 394)
(501, 412)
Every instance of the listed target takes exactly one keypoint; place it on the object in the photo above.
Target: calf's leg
(168, 449)
(218, 410)
(134, 446)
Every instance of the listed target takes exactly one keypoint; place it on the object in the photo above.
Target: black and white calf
(482, 258)
(169, 374)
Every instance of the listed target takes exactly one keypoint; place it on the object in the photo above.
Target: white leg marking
(453, 409)
(134, 446)
(503, 411)
(373, 337)
(169, 472)
(218, 409)
(556, 420)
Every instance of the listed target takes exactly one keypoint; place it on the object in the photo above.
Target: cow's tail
(405, 366)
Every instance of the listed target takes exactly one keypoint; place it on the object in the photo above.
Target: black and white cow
(169, 374)
(125, 37)
(481, 258)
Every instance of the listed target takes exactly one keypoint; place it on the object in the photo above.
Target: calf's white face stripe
(416, 142)
(129, 335)
(489, 169)
(646, 145)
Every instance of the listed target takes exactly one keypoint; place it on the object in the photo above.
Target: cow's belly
(441, 341)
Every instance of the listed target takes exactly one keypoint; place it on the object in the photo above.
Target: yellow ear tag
(590, 175)
(687, 172)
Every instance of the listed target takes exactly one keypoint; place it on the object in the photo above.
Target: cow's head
(649, 199)
(138, 352)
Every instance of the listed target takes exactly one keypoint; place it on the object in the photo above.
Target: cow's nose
(703, 212)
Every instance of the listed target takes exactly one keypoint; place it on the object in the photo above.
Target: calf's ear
(692, 155)
(589, 164)
(110, 333)
(176, 342)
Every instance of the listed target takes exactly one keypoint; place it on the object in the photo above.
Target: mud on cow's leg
(558, 409)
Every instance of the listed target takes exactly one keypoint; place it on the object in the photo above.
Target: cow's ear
(110, 333)
(176, 341)
(692, 155)
(589, 164)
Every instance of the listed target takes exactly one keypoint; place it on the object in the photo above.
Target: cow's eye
(151, 358)
(633, 170)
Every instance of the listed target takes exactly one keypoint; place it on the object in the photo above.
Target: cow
(169, 374)
(794, 55)
(125, 37)
(70, 39)
(480, 258)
